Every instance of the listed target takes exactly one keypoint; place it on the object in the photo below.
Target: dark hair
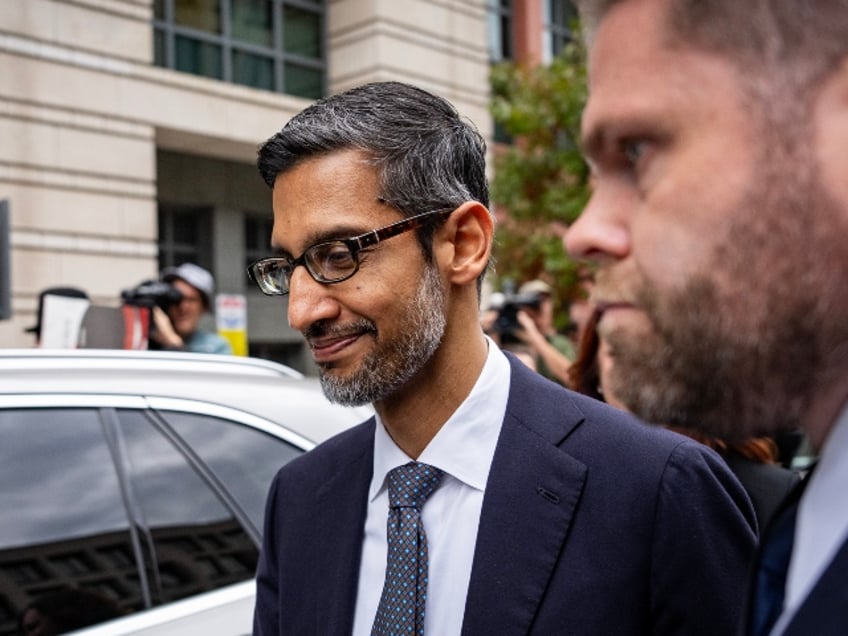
(584, 375)
(784, 48)
(427, 156)
(756, 34)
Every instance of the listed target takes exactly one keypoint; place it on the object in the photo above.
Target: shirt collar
(465, 445)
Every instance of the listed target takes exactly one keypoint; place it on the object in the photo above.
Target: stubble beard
(390, 365)
(741, 348)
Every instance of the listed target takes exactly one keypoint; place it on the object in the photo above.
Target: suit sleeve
(266, 611)
(704, 540)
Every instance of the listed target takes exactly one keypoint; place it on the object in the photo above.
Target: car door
(115, 505)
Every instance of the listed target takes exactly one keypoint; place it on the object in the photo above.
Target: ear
(463, 245)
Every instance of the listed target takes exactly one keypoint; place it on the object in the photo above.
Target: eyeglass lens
(329, 262)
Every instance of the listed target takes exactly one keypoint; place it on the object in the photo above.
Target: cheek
(683, 223)
(665, 253)
(831, 140)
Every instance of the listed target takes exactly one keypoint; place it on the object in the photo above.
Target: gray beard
(391, 365)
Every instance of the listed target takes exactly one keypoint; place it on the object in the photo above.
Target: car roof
(260, 387)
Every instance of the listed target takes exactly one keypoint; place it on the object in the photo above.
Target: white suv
(133, 483)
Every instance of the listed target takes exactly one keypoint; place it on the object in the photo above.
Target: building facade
(129, 128)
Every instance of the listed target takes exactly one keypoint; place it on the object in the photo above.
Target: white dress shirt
(822, 523)
(463, 449)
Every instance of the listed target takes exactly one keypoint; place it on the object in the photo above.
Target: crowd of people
(176, 311)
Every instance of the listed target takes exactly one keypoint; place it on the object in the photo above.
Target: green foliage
(540, 181)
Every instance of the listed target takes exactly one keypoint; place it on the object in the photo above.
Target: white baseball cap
(195, 276)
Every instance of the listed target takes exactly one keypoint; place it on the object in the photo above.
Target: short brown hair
(796, 44)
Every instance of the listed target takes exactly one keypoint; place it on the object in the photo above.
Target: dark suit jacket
(768, 485)
(592, 524)
(825, 610)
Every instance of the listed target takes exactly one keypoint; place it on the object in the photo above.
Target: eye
(331, 258)
(634, 150)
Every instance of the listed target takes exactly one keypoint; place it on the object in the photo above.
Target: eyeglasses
(330, 261)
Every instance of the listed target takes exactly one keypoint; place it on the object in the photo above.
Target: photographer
(527, 318)
(175, 327)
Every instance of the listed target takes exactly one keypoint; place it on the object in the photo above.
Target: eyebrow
(338, 233)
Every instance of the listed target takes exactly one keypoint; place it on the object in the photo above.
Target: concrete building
(129, 128)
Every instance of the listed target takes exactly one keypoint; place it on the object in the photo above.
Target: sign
(61, 319)
(231, 320)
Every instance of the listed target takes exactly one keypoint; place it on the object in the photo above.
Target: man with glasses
(481, 498)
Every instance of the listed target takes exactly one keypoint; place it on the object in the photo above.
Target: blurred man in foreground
(716, 133)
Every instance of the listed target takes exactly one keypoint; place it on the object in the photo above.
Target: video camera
(152, 293)
(506, 324)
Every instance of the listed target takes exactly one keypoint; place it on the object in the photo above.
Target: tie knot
(411, 484)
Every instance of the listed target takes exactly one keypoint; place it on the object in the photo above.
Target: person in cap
(67, 292)
(553, 351)
(178, 326)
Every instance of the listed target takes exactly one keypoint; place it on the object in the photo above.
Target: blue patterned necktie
(401, 608)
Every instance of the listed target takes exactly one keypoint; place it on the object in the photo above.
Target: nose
(309, 301)
(601, 232)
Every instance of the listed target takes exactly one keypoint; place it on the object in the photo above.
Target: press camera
(506, 324)
(152, 293)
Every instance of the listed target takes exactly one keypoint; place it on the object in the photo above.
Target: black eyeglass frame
(354, 244)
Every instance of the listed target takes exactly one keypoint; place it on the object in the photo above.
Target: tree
(540, 181)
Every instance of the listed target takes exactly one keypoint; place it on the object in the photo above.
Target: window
(500, 30)
(257, 238)
(274, 45)
(245, 460)
(559, 17)
(192, 540)
(500, 48)
(68, 542)
(119, 510)
(185, 236)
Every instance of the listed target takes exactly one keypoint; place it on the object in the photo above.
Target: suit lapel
(825, 610)
(339, 532)
(531, 496)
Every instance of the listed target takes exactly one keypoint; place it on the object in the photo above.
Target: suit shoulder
(320, 463)
(600, 435)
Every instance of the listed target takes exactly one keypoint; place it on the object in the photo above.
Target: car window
(65, 544)
(192, 541)
(243, 458)
(111, 511)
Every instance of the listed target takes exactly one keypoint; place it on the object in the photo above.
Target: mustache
(327, 329)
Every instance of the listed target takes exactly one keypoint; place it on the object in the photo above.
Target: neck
(415, 414)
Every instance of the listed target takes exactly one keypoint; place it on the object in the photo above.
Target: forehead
(327, 196)
(639, 76)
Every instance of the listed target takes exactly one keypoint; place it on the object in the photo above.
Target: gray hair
(427, 156)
